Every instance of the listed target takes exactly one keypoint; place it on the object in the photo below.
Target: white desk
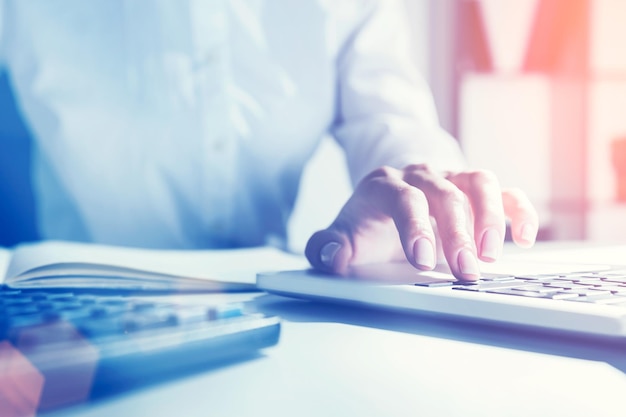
(341, 361)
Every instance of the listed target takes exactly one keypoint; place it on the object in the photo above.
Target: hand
(389, 217)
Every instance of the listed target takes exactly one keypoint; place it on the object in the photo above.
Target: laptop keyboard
(116, 339)
(607, 287)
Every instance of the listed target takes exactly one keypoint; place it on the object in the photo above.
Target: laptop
(587, 299)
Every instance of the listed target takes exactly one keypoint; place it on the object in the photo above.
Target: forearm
(385, 111)
(397, 142)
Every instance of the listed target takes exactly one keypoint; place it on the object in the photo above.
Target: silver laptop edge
(401, 295)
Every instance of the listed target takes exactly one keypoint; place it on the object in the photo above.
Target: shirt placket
(211, 60)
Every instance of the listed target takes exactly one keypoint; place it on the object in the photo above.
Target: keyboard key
(114, 301)
(86, 299)
(69, 314)
(616, 280)
(10, 293)
(590, 281)
(225, 311)
(563, 296)
(45, 305)
(496, 277)
(435, 283)
(599, 299)
(50, 296)
(65, 305)
(588, 292)
(25, 320)
(17, 301)
(519, 292)
(144, 321)
(615, 289)
(100, 327)
(143, 306)
(614, 299)
(612, 274)
(495, 285)
(538, 288)
(107, 310)
(192, 314)
(563, 285)
(21, 310)
(538, 277)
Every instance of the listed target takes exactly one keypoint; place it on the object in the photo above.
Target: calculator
(59, 348)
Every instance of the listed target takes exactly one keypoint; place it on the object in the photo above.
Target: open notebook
(574, 290)
(56, 264)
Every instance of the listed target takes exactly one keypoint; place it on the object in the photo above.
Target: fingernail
(529, 232)
(467, 263)
(328, 252)
(424, 253)
(491, 245)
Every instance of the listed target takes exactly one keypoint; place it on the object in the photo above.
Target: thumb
(329, 251)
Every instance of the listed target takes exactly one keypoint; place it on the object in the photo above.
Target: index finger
(483, 190)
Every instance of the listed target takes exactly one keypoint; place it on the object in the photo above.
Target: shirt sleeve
(385, 111)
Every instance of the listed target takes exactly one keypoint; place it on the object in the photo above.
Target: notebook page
(237, 265)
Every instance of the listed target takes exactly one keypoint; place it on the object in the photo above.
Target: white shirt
(186, 123)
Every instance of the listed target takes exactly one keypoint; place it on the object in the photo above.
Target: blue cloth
(187, 123)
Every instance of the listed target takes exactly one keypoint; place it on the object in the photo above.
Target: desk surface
(344, 361)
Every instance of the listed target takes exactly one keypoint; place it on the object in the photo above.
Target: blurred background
(534, 90)
(540, 99)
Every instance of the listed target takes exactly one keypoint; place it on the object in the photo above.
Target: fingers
(408, 208)
(362, 232)
(329, 251)
(483, 191)
(448, 205)
(524, 218)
